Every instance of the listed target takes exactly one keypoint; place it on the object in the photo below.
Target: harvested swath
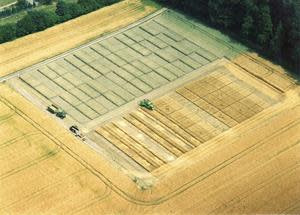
(174, 127)
(124, 148)
(133, 143)
(154, 136)
(162, 132)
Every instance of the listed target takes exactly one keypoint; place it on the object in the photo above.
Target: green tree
(247, 27)
(43, 19)
(225, 13)
(45, 1)
(22, 4)
(264, 25)
(25, 26)
(7, 32)
(277, 42)
(74, 9)
(88, 5)
(62, 8)
(295, 56)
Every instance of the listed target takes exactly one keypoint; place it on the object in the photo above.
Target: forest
(270, 27)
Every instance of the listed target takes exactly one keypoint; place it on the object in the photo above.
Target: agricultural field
(223, 136)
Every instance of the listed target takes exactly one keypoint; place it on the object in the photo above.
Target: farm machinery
(60, 113)
(146, 103)
(75, 130)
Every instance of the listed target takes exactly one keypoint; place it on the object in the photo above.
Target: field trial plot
(187, 117)
(94, 80)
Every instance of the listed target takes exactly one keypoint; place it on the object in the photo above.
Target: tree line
(271, 27)
(38, 20)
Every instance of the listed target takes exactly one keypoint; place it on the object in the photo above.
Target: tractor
(61, 113)
(57, 111)
(146, 103)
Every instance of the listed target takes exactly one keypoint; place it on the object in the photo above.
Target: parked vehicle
(75, 130)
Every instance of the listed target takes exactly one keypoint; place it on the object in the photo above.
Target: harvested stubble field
(223, 138)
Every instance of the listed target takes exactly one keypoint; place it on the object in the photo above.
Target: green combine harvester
(146, 103)
(60, 113)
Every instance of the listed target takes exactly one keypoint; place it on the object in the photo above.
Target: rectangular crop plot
(128, 54)
(100, 49)
(72, 79)
(80, 94)
(105, 103)
(96, 106)
(88, 90)
(115, 99)
(124, 74)
(28, 79)
(48, 72)
(153, 28)
(87, 111)
(124, 39)
(64, 83)
(112, 44)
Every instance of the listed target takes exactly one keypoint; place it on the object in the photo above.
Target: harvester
(57, 111)
(146, 103)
